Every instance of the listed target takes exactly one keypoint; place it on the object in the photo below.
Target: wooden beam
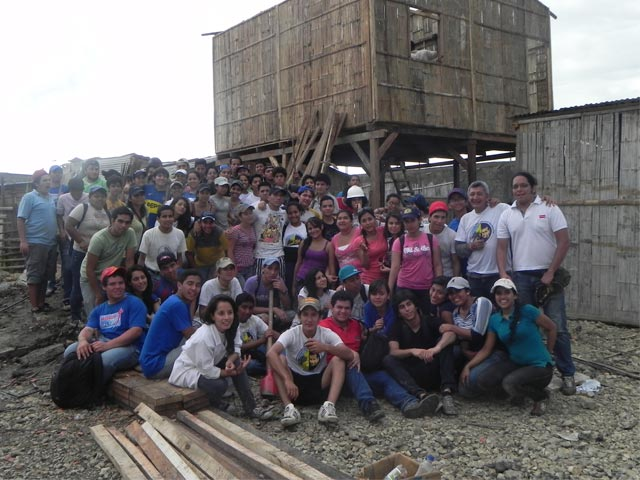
(361, 137)
(387, 143)
(135, 432)
(362, 156)
(471, 161)
(137, 454)
(178, 463)
(116, 454)
(191, 450)
(376, 193)
(456, 156)
(235, 448)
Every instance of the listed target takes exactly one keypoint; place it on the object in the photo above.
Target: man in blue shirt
(114, 328)
(38, 233)
(171, 327)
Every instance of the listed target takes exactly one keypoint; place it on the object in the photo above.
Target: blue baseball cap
(348, 271)
(305, 188)
(267, 262)
(410, 213)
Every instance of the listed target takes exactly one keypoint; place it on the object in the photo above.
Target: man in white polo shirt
(539, 239)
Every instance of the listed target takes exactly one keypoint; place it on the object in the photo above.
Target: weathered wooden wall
(493, 63)
(588, 161)
(275, 68)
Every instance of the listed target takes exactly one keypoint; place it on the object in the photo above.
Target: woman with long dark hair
(212, 354)
(393, 229)
(315, 252)
(344, 242)
(182, 215)
(139, 283)
(529, 368)
(316, 285)
(373, 246)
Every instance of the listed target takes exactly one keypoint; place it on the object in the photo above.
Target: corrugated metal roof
(12, 178)
(589, 107)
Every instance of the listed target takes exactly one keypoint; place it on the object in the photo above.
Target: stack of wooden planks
(202, 446)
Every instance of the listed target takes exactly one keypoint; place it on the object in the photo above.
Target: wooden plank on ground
(233, 447)
(178, 463)
(127, 468)
(137, 454)
(192, 450)
(135, 432)
(237, 468)
(259, 446)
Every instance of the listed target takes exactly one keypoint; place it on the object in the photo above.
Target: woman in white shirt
(212, 354)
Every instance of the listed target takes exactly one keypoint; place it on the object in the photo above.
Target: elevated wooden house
(587, 158)
(416, 79)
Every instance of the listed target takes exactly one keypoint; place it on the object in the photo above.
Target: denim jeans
(486, 377)
(481, 283)
(66, 252)
(76, 293)
(120, 358)
(381, 383)
(528, 382)
(555, 310)
(215, 388)
(416, 375)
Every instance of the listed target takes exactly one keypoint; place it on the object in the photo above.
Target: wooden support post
(116, 454)
(362, 156)
(456, 174)
(377, 188)
(471, 160)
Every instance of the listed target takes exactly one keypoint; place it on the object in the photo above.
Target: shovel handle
(269, 340)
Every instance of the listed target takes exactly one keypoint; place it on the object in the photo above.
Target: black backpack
(78, 383)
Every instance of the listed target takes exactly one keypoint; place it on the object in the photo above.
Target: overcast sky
(85, 79)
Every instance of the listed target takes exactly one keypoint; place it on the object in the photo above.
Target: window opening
(424, 29)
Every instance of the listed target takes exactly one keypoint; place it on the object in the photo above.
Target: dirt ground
(579, 437)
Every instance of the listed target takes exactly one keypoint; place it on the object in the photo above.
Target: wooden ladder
(401, 180)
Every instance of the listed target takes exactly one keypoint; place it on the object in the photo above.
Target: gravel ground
(579, 437)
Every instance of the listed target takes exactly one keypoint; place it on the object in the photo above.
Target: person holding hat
(225, 283)
(269, 224)
(415, 259)
(259, 286)
(529, 368)
(437, 226)
(111, 245)
(302, 368)
(38, 232)
(92, 175)
(538, 236)
(220, 201)
(115, 328)
(206, 247)
(241, 241)
(459, 206)
(83, 222)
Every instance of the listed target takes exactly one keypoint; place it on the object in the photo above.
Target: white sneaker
(261, 413)
(291, 416)
(327, 413)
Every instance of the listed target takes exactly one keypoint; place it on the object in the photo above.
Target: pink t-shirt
(377, 249)
(348, 254)
(416, 267)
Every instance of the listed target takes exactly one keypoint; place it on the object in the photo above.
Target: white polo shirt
(532, 235)
(484, 226)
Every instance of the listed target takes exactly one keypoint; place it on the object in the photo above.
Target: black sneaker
(372, 412)
(427, 405)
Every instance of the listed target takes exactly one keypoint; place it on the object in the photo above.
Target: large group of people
(188, 275)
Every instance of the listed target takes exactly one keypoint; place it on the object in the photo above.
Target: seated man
(258, 286)
(114, 328)
(351, 283)
(419, 357)
(225, 283)
(304, 373)
(171, 327)
(167, 283)
(254, 333)
(363, 385)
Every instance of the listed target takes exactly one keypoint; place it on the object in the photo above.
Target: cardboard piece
(379, 469)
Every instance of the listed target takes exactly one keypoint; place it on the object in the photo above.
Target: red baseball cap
(110, 272)
(436, 206)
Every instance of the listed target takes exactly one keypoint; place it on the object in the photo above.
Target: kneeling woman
(530, 365)
(212, 354)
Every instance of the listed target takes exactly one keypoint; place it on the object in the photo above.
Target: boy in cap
(225, 283)
(114, 328)
(258, 286)
(166, 283)
(351, 283)
(437, 226)
(302, 369)
(206, 247)
(268, 225)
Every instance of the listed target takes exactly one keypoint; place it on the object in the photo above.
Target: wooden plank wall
(480, 80)
(277, 67)
(589, 163)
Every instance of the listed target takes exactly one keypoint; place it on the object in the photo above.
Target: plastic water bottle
(397, 473)
(426, 466)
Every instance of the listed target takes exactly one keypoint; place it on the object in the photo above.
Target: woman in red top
(373, 247)
(345, 244)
